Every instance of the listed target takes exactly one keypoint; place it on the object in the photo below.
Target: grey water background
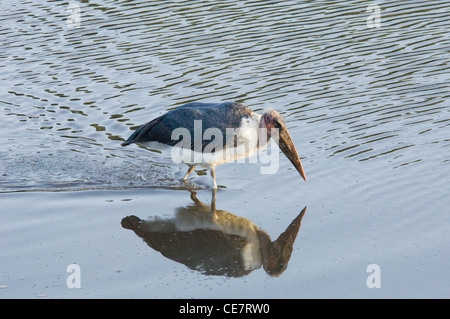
(368, 110)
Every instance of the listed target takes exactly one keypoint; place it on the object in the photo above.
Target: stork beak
(286, 145)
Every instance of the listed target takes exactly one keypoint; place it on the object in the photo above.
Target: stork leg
(191, 168)
(213, 201)
(212, 212)
(213, 174)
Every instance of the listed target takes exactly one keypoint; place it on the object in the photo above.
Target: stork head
(276, 128)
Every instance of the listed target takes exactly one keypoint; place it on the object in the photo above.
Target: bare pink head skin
(276, 128)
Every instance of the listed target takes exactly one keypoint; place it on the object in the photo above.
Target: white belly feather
(246, 138)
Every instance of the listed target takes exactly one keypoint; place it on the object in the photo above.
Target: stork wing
(193, 118)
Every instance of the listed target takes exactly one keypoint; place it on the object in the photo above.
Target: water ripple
(347, 91)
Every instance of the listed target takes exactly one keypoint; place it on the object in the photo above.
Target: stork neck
(263, 134)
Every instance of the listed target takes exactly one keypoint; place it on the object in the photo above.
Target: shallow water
(368, 110)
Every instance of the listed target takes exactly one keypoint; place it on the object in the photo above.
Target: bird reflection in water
(216, 242)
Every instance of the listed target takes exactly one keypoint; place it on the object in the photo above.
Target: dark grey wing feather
(148, 132)
(220, 116)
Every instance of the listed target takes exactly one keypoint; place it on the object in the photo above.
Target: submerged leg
(191, 168)
(194, 198)
(213, 175)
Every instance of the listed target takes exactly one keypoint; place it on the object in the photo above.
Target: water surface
(367, 108)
